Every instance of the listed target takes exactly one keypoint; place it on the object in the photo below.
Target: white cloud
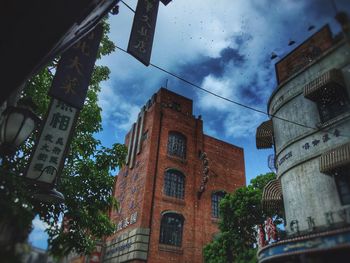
(39, 224)
(218, 86)
(116, 109)
(242, 123)
(38, 237)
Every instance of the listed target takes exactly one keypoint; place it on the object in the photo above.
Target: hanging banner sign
(142, 33)
(74, 70)
(49, 153)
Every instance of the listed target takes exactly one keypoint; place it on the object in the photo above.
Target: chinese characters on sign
(49, 152)
(325, 138)
(341, 216)
(142, 33)
(74, 70)
(119, 248)
(285, 157)
(315, 142)
(127, 221)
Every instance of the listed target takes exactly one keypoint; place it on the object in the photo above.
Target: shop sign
(48, 156)
(142, 32)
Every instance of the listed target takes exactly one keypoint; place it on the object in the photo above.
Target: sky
(223, 46)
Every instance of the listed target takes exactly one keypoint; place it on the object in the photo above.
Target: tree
(86, 180)
(240, 213)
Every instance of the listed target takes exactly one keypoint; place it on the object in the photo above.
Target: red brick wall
(226, 173)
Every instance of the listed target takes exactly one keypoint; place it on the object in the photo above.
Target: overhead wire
(222, 97)
(127, 6)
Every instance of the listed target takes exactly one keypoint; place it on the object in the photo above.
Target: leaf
(86, 179)
(240, 212)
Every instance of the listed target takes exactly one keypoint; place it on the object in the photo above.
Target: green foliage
(86, 180)
(240, 212)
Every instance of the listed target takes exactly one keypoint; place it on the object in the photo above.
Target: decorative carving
(261, 236)
(205, 173)
(271, 230)
(267, 233)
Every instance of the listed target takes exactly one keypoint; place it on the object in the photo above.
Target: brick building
(171, 185)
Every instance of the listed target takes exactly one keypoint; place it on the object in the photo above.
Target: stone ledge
(174, 200)
(170, 248)
(215, 220)
(177, 159)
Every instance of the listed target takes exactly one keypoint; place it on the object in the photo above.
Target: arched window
(171, 229)
(177, 145)
(174, 184)
(215, 200)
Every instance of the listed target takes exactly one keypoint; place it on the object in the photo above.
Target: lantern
(18, 123)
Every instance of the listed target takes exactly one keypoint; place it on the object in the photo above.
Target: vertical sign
(74, 70)
(142, 33)
(50, 150)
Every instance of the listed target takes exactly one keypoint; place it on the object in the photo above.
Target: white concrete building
(310, 131)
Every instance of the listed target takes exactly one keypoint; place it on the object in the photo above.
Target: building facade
(310, 131)
(171, 185)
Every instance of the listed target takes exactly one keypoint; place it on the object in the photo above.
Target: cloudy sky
(223, 46)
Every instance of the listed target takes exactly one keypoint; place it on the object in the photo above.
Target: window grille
(174, 184)
(177, 145)
(171, 229)
(330, 107)
(342, 180)
(329, 93)
(215, 201)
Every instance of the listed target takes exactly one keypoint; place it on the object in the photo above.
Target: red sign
(304, 54)
(95, 256)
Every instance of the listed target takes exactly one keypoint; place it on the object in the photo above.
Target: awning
(264, 135)
(335, 158)
(330, 81)
(272, 196)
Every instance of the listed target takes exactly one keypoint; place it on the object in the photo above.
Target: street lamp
(49, 195)
(18, 123)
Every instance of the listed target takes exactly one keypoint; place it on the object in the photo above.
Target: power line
(221, 97)
(127, 6)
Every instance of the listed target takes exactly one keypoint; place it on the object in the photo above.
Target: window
(144, 136)
(174, 184)
(171, 229)
(176, 106)
(331, 106)
(215, 200)
(343, 184)
(328, 91)
(177, 145)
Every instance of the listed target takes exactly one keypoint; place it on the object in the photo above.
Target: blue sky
(223, 46)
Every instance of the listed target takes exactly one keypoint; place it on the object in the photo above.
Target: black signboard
(74, 70)
(142, 33)
(51, 147)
